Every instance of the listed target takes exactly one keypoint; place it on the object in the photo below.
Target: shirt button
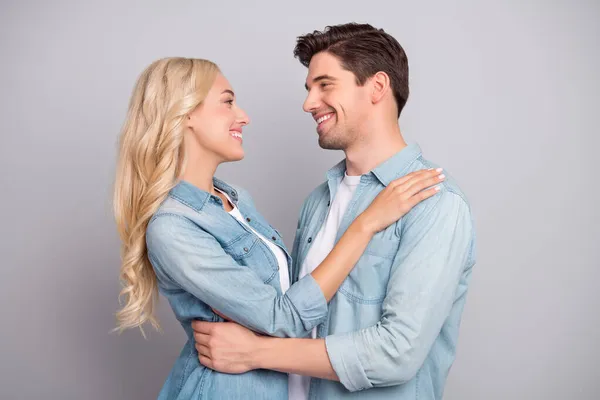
(233, 193)
(328, 203)
(246, 249)
(309, 240)
(248, 219)
(274, 238)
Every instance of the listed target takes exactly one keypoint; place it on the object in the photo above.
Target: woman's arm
(195, 260)
(388, 207)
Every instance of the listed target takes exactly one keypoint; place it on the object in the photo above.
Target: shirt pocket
(250, 251)
(367, 282)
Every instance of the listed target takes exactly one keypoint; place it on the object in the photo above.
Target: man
(393, 325)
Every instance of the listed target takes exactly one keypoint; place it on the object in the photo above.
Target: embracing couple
(367, 303)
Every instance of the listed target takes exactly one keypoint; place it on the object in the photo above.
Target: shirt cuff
(309, 300)
(345, 362)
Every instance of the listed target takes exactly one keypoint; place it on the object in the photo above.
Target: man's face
(335, 100)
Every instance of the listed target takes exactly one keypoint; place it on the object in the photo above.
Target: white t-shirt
(323, 243)
(284, 274)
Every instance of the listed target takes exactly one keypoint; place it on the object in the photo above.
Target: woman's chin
(237, 156)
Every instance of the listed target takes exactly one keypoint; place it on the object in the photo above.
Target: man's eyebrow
(228, 91)
(320, 78)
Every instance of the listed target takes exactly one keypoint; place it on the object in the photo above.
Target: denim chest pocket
(367, 282)
(249, 250)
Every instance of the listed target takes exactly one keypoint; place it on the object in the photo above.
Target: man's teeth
(324, 118)
(236, 135)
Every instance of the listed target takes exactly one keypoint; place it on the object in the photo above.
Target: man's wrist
(262, 355)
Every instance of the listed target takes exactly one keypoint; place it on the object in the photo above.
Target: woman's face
(215, 126)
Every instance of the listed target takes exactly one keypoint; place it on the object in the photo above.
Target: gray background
(504, 95)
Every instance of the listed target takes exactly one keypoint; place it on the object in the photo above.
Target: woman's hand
(402, 194)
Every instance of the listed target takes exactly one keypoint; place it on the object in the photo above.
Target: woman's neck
(200, 174)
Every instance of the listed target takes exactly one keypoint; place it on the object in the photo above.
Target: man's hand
(233, 349)
(225, 346)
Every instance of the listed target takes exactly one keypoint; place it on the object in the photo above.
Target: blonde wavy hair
(151, 158)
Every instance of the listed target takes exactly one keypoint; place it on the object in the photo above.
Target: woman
(201, 242)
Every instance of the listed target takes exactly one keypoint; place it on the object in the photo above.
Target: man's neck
(365, 156)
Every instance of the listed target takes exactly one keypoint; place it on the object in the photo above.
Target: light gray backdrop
(505, 95)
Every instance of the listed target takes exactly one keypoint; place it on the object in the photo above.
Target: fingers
(203, 326)
(423, 183)
(204, 355)
(422, 195)
(406, 178)
(416, 176)
(207, 362)
(427, 174)
(420, 186)
(201, 338)
(203, 350)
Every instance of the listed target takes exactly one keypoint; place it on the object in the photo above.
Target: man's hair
(362, 50)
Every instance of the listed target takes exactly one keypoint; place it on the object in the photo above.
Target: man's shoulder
(449, 186)
(451, 197)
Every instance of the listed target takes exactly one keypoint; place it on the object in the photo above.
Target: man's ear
(381, 85)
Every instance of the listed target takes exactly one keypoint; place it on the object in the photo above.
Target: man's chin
(330, 144)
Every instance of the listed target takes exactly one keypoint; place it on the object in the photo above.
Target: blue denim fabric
(204, 258)
(393, 326)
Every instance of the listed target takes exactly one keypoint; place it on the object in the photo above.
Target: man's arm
(231, 348)
(296, 356)
(435, 249)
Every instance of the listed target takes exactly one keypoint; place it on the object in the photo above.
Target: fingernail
(439, 169)
(442, 176)
(437, 188)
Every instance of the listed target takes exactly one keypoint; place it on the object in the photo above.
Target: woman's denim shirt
(204, 258)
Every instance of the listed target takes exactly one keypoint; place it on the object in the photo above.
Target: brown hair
(362, 50)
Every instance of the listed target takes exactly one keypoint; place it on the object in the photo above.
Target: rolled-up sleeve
(195, 261)
(435, 250)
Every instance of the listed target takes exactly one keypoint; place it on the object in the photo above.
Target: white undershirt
(284, 274)
(323, 243)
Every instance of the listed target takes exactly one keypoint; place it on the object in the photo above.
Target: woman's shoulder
(175, 216)
(169, 229)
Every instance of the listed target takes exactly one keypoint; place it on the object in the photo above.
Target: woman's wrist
(363, 224)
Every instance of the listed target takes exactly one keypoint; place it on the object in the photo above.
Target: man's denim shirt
(393, 326)
(203, 257)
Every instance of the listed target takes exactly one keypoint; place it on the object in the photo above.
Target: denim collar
(196, 197)
(387, 171)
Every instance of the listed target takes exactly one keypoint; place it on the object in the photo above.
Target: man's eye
(325, 84)
(229, 102)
